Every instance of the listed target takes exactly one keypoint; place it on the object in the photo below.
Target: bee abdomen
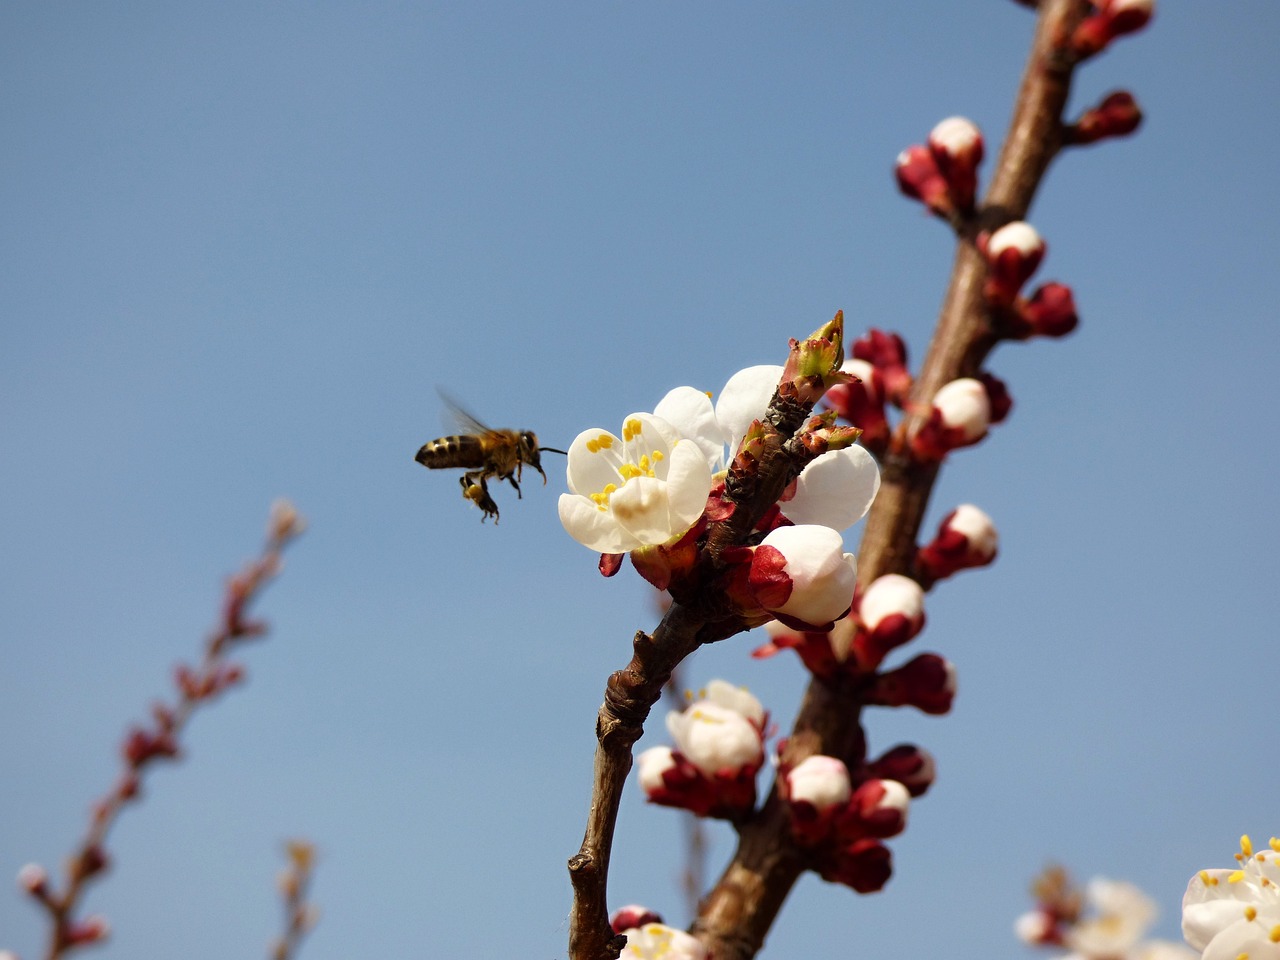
(456, 451)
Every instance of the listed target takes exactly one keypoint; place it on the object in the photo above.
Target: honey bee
(487, 453)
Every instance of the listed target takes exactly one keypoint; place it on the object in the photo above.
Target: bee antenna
(542, 449)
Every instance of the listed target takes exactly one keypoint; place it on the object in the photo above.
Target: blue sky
(242, 245)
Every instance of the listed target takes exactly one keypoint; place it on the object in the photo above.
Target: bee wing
(465, 422)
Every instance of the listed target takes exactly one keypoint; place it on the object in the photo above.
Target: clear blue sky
(242, 244)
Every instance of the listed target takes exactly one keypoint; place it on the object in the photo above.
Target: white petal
(737, 699)
(714, 738)
(593, 461)
(688, 485)
(651, 765)
(690, 411)
(745, 398)
(821, 781)
(1243, 939)
(836, 490)
(822, 575)
(643, 509)
(594, 528)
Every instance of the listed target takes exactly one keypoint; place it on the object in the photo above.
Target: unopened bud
(822, 782)
(880, 807)
(861, 402)
(887, 352)
(284, 521)
(890, 612)
(957, 147)
(1118, 115)
(908, 764)
(34, 879)
(1013, 253)
(1113, 18)
(967, 537)
(920, 179)
(864, 865)
(960, 416)
(927, 683)
(1051, 312)
(89, 930)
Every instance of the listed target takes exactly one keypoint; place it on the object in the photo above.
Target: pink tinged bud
(822, 782)
(960, 417)
(927, 683)
(888, 354)
(1118, 115)
(1037, 927)
(89, 930)
(821, 575)
(910, 765)
(864, 865)
(880, 807)
(957, 147)
(920, 179)
(1114, 18)
(1013, 253)
(891, 612)
(632, 916)
(1051, 312)
(34, 879)
(861, 402)
(966, 538)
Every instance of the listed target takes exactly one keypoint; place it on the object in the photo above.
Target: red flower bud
(1118, 115)
(927, 683)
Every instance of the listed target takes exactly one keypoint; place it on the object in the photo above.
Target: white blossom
(1233, 913)
(822, 575)
(719, 732)
(656, 941)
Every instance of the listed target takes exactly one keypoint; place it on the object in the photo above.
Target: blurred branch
(300, 916)
(161, 739)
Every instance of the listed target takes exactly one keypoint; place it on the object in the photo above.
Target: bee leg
(512, 481)
(476, 489)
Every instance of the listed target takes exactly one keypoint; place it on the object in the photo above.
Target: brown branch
(299, 914)
(143, 746)
(739, 911)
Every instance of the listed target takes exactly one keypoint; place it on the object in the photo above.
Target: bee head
(529, 452)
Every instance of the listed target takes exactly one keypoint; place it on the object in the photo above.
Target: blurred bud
(1013, 253)
(920, 179)
(91, 860)
(960, 416)
(879, 807)
(928, 683)
(861, 402)
(89, 930)
(997, 396)
(1118, 115)
(911, 766)
(865, 865)
(1051, 312)
(966, 538)
(957, 147)
(888, 354)
(34, 879)
(891, 612)
(631, 916)
(1112, 19)
(285, 521)
(821, 782)
(1037, 928)
(655, 941)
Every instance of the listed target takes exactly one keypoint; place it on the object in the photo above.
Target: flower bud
(861, 402)
(888, 354)
(34, 879)
(1118, 115)
(823, 652)
(1013, 253)
(632, 916)
(1037, 928)
(716, 739)
(1113, 18)
(927, 683)
(920, 179)
(891, 612)
(966, 538)
(89, 930)
(956, 145)
(960, 417)
(802, 575)
(879, 807)
(864, 865)
(1051, 312)
(821, 782)
(910, 765)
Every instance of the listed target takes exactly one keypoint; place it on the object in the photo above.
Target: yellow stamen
(1251, 913)
(1236, 876)
(1246, 845)
(593, 446)
(1275, 844)
(1207, 880)
(657, 455)
(1274, 935)
(631, 429)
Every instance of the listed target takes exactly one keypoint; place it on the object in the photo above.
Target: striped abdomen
(460, 450)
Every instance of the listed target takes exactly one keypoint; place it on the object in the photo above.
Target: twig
(161, 740)
(300, 916)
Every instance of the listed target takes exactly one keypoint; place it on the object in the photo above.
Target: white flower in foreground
(656, 941)
(644, 489)
(820, 781)
(1231, 914)
(835, 490)
(720, 732)
(821, 574)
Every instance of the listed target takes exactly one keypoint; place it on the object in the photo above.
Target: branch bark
(739, 911)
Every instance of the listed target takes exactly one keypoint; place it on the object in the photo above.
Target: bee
(486, 453)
